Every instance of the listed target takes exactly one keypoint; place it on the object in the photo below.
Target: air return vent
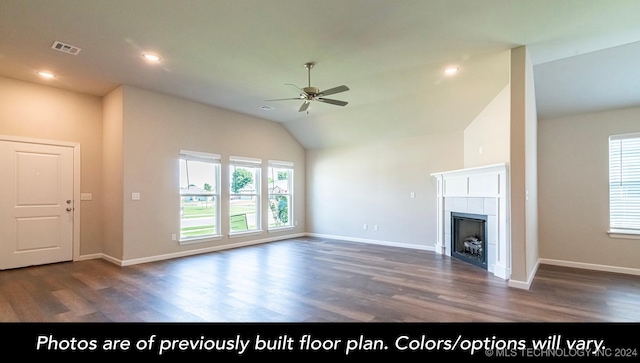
(66, 48)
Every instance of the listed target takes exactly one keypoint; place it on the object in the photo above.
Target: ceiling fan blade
(298, 88)
(304, 106)
(333, 102)
(284, 99)
(334, 90)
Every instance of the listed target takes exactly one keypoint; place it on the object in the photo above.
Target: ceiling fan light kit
(309, 93)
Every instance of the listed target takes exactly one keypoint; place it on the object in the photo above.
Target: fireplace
(469, 238)
(483, 191)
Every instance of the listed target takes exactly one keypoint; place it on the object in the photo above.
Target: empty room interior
(282, 160)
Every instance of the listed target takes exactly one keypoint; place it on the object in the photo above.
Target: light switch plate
(135, 196)
(86, 196)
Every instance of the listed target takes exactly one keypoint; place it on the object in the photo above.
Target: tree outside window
(244, 193)
(280, 194)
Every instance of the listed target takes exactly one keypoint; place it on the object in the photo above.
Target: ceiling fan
(309, 93)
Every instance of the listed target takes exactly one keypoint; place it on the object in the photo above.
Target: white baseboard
(198, 251)
(525, 285)
(89, 257)
(375, 242)
(168, 256)
(591, 266)
(580, 265)
(96, 256)
(113, 260)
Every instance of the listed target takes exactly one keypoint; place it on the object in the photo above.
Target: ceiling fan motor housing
(312, 91)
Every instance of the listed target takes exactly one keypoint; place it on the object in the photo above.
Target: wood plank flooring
(310, 280)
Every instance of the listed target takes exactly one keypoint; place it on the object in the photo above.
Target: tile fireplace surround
(479, 190)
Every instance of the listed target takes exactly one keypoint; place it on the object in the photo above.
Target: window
(244, 194)
(280, 194)
(624, 183)
(199, 195)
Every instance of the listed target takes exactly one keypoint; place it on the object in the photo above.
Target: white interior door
(36, 204)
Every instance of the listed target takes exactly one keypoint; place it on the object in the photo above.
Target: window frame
(278, 164)
(617, 227)
(215, 160)
(246, 162)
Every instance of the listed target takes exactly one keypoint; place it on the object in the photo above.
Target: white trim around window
(624, 186)
(244, 196)
(199, 197)
(280, 195)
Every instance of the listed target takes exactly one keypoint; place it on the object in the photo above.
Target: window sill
(190, 241)
(625, 234)
(245, 234)
(281, 229)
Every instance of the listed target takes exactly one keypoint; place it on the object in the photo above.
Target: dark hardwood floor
(310, 280)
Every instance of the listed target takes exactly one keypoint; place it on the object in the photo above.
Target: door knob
(69, 209)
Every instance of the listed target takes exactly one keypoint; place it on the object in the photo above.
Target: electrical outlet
(365, 226)
(174, 237)
(375, 227)
(135, 196)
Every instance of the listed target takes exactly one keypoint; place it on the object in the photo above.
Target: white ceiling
(235, 54)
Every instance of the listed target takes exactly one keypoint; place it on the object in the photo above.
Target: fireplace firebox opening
(469, 238)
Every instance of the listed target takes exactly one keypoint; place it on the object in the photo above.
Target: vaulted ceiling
(236, 54)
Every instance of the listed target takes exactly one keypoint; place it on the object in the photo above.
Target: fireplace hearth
(469, 238)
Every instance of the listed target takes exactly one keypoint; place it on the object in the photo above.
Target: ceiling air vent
(66, 48)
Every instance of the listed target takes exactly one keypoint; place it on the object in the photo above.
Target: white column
(440, 242)
(502, 267)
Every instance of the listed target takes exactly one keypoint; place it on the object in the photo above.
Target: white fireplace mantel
(482, 190)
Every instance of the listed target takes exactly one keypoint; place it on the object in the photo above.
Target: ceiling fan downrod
(308, 66)
(310, 92)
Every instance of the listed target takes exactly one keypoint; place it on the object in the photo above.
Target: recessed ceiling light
(151, 57)
(46, 74)
(451, 70)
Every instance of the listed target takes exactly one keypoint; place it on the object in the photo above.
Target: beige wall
(486, 139)
(573, 174)
(372, 184)
(531, 179)
(523, 168)
(155, 128)
(129, 142)
(40, 112)
(113, 173)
